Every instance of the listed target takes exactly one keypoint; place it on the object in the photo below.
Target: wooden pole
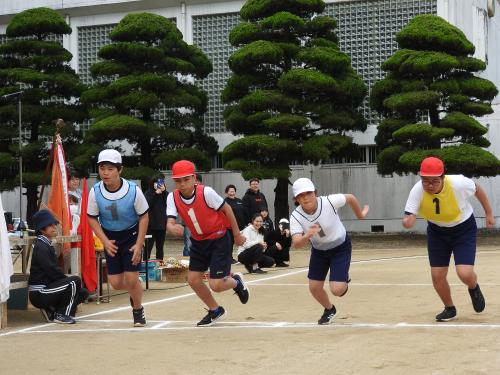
(59, 124)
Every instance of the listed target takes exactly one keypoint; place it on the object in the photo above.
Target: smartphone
(160, 182)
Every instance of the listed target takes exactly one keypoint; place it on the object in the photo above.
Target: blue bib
(117, 215)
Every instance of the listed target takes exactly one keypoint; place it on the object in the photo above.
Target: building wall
(366, 29)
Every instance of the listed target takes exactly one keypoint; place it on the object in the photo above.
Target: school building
(366, 30)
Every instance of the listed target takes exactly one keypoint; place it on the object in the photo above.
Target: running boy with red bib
(444, 201)
(207, 216)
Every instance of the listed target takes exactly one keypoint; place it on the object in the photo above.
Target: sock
(216, 310)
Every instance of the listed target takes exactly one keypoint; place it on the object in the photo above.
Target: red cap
(431, 167)
(182, 168)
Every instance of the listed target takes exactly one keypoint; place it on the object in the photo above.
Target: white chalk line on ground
(191, 325)
(170, 299)
(375, 284)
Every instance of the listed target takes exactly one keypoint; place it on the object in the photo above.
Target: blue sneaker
(212, 317)
(63, 319)
(449, 313)
(241, 289)
(327, 316)
(477, 299)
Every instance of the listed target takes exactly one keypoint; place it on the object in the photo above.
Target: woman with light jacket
(251, 253)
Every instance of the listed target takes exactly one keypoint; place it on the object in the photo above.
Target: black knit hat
(43, 218)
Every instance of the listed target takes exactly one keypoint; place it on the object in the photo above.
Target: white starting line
(191, 325)
(169, 325)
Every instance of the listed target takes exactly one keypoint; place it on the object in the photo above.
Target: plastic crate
(154, 273)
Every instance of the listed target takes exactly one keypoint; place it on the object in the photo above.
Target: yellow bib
(441, 207)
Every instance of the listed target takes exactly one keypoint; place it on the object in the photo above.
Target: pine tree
(146, 69)
(33, 61)
(293, 94)
(432, 76)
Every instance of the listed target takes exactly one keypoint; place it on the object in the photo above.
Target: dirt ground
(385, 324)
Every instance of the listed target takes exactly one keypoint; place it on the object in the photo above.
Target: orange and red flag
(58, 198)
(89, 269)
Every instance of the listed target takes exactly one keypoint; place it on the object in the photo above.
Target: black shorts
(459, 240)
(122, 261)
(336, 260)
(213, 254)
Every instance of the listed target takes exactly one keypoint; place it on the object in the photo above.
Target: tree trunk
(281, 208)
(434, 119)
(32, 200)
(146, 160)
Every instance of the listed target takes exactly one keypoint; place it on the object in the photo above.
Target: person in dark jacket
(237, 206)
(238, 210)
(267, 223)
(253, 200)
(279, 242)
(156, 196)
(50, 290)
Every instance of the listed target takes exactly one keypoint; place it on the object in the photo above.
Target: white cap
(284, 221)
(302, 185)
(110, 155)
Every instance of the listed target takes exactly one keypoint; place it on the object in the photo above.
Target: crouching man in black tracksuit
(54, 293)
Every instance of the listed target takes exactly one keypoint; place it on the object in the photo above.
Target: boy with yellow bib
(444, 201)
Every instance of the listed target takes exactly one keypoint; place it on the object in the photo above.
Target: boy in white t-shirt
(118, 215)
(444, 201)
(316, 220)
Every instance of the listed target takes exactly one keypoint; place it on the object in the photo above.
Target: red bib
(204, 222)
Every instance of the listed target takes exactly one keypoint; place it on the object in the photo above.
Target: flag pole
(59, 124)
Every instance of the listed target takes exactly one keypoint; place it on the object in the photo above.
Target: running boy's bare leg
(134, 287)
(195, 280)
(128, 281)
(467, 275)
(441, 284)
(319, 293)
(338, 288)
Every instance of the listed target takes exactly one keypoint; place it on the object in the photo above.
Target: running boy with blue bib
(443, 200)
(316, 220)
(118, 215)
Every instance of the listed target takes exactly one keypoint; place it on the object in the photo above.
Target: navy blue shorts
(213, 254)
(122, 261)
(337, 260)
(459, 240)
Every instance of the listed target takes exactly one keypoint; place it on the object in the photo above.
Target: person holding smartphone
(156, 196)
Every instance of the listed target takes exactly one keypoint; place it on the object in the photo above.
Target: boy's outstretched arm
(109, 245)
(409, 220)
(141, 235)
(356, 208)
(174, 228)
(483, 199)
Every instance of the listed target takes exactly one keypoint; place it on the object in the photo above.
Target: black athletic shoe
(47, 315)
(327, 316)
(63, 319)
(212, 317)
(259, 271)
(139, 317)
(248, 268)
(281, 264)
(241, 289)
(449, 313)
(477, 299)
